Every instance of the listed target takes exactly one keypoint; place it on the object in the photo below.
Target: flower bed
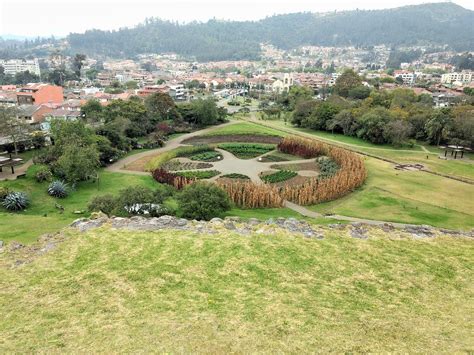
(199, 174)
(278, 176)
(247, 150)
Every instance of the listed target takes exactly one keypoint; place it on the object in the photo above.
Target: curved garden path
(120, 165)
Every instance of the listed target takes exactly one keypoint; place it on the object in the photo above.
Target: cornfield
(165, 177)
(246, 194)
(305, 148)
(351, 174)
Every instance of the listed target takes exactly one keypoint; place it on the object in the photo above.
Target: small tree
(203, 201)
(13, 127)
(77, 163)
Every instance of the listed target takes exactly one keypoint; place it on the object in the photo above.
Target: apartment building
(13, 66)
(463, 78)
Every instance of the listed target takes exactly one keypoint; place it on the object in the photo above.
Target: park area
(260, 167)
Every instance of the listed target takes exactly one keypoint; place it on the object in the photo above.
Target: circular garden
(259, 171)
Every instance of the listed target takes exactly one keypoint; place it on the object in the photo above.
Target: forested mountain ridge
(428, 24)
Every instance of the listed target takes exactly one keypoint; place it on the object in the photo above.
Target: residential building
(38, 93)
(178, 92)
(463, 78)
(13, 66)
(407, 77)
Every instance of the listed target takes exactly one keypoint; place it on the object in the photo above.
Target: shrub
(199, 174)
(43, 174)
(203, 201)
(105, 203)
(58, 189)
(279, 176)
(327, 167)
(16, 201)
(4, 191)
(140, 200)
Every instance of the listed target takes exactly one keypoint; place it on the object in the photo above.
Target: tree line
(396, 117)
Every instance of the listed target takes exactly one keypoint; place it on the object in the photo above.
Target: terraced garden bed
(175, 165)
(279, 176)
(235, 176)
(278, 157)
(211, 155)
(297, 166)
(247, 150)
(199, 174)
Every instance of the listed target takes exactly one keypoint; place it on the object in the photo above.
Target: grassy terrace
(407, 196)
(115, 291)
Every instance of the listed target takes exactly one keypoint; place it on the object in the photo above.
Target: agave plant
(58, 189)
(16, 201)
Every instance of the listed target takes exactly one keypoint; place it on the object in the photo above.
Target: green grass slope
(116, 291)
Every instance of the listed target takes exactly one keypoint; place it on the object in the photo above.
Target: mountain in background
(428, 24)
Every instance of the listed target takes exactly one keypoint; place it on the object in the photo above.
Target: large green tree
(346, 82)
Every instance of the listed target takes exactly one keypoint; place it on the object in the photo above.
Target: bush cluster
(197, 201)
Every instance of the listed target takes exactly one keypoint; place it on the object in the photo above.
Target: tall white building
(13, 66)
(464, 77)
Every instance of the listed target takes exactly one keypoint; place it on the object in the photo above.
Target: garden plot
(184, 164)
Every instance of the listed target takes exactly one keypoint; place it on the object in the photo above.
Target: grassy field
(244, 128)
(111, 291)
(407, 196)
(43, 217)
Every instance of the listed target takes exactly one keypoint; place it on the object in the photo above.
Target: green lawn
(166, 292)
(407, 196)
(244, 128)
(43, 217)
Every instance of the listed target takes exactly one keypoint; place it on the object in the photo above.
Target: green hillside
(117, 291)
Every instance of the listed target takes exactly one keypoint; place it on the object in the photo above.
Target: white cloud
(59, 17)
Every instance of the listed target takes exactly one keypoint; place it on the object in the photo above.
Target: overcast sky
(60, 17)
